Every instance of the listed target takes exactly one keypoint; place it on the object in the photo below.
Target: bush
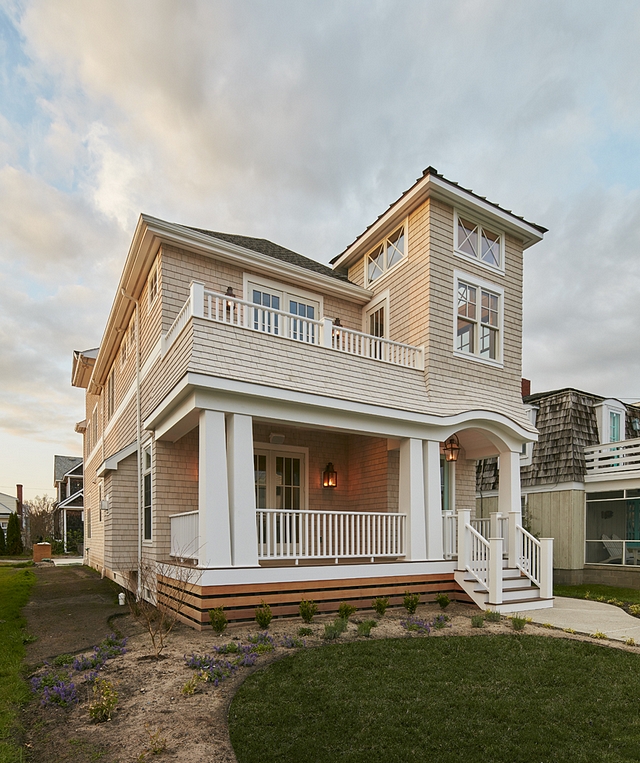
(14, 541)
(218, 620)
(380, 605)
(364, 628)
(518, 623)
(491, 616)
(105, 699)
(333, 630)
(308, 609)
(411, 601)
(477, 621)
(305, 631)
(346, 610)
(443, 600)
(3, 548)
(264, 616)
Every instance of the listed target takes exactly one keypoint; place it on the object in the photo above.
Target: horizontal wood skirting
(239, 601)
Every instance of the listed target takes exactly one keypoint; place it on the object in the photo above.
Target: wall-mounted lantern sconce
(451, 448)
(329, 476)
(229, 292)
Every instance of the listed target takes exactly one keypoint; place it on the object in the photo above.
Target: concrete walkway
(64, 561)
(588, 617)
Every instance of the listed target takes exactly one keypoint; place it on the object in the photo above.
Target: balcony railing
(612, 458)
(221, 308)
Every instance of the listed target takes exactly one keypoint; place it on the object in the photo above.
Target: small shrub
(416, 625)
(261, 642)
(380, 605)
(193, 684)
(364, 628)
(634, 609)
(477, 621)
(305, 631)
(443, 600)
(440, 622)
(218, 620)
(491, 616)
(308, 609)
(62, 659)
(547, 625)
(157, 744)
(264, 615)
(346, 610)
(518, 623)
(630, 642)
(587, 594)
(105, 699)
(599, 634)
(292, 643)
(335, 629)
(411, 601)
(568, 630)
(615, 602)
(55, 688)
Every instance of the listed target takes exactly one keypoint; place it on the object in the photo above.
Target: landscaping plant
(411, 601)
(364, 628)
(105, 699)
(335, 629)
(218, 620)
(308, 609)
(518, 623)
(477, 621)
(380, 605)
(491, 616)
(264, 615)
(346, 610)
(443, 600)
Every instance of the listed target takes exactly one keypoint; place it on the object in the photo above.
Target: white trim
(290, 450)
(500, 269)
(526, 457)
(553, 488)
(383, 242)
(112, 463)
(603, 417)
(380, 299)
(286, 291)
(479, 284)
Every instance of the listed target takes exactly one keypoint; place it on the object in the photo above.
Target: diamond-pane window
(376, 263)
(467, 237)
(466, 300)
(476, 241)
(491, 248)
(387, 254)
(395, 247)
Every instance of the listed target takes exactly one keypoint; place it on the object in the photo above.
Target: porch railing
(329, 534)
(185, 530)
(482, 525)
(528, 555)
(623, 456)
(221, 308)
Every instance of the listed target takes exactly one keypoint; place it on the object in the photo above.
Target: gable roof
(7, 504)
(62, 465)
(264, 246)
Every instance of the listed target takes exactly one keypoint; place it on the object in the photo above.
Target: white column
(495, 570)
(242, 497)
(411, 498)
(509, 483)
(197, 299)
(214, 547)
(546, 568)
(64, 529)
(464, 546)
(433, 498)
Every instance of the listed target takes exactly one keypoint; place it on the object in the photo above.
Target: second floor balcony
(612, 460)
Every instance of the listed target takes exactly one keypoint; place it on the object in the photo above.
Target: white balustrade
(367, 346)
(449, 534)
(176, 327)
(623, 456)
(478, 556)
(329, 534)
(528, 554)
(184, 535)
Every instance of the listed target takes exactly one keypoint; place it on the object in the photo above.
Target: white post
(327, 332)
(494, 529)
(464, 547)
(214, 543)
(242, 497)
(514, 521)
(448, 534)
(495, 570)
(411, 498)
(197, 299)
(433, 498)
(509, 482)
(546, 568)
(64, 529)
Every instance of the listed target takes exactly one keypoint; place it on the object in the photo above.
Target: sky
(300, 121)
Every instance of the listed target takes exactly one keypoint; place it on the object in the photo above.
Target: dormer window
(478, 243)
(610, 415)
(388, 253)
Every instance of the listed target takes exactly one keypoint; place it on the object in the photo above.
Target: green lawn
(496, 699)
(15, 585)
(630, 595)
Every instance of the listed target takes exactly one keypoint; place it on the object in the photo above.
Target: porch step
(518, 592)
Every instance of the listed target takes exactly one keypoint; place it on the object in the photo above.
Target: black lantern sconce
(329, 476)
(451, 448)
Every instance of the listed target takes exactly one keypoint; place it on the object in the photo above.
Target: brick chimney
(526, 387)
(19, 501)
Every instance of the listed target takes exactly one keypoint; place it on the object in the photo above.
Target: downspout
(138, 438)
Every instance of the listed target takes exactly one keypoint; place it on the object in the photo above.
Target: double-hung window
(479, 243)
(111, 393)
(146, 492)
(386, 254)
(478, 319)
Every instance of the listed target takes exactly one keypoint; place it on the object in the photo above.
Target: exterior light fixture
(229, 292)
(329, 476)
(451, 448)
(336, 322)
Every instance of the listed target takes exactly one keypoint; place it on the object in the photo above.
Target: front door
(280, 486)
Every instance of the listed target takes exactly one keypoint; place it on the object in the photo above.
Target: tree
(3, 548)
(40, 512)
(14, 541)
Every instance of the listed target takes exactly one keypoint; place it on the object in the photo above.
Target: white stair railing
(534, 558)
(329, 534)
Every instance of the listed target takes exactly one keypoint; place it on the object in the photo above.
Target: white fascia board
(305, 409)
(111, 463)
(67, 501)
(555, 487)
(451, 194)
(615, 482)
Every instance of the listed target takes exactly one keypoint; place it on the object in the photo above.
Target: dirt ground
(152, 710)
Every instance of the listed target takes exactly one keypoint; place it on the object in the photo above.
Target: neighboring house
(287, 430)
(68, 479)
(8, 505)
(580, 485)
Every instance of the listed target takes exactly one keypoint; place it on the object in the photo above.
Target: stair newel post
(546, 568)
(327, 332)
(495, 570)
(514, 516)
(464, 547)
(494, 529)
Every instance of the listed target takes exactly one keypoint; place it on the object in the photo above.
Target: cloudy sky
(300, 122)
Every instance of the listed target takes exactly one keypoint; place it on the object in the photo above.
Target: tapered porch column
(242, 497)
(433, 498)
(214, 547)
(509, 483)
(411, 498)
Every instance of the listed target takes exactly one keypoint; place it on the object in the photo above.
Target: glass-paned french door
(279, 486)
(267, 314)
(265, 319)
(301, 328)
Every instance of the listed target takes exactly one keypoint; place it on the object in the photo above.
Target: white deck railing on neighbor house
(612, 458)
(329, 534)
(222, 308)
(185, 532)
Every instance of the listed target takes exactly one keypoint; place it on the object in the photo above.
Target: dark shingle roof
(264, 246)
(64, 464)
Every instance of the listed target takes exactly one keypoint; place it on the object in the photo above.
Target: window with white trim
(283, 311)
(478, 319)
(386, 254)
(146, 492)
(526, 455)
(478, 242)
(152, 285)
(610, 416)
(111, 393)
